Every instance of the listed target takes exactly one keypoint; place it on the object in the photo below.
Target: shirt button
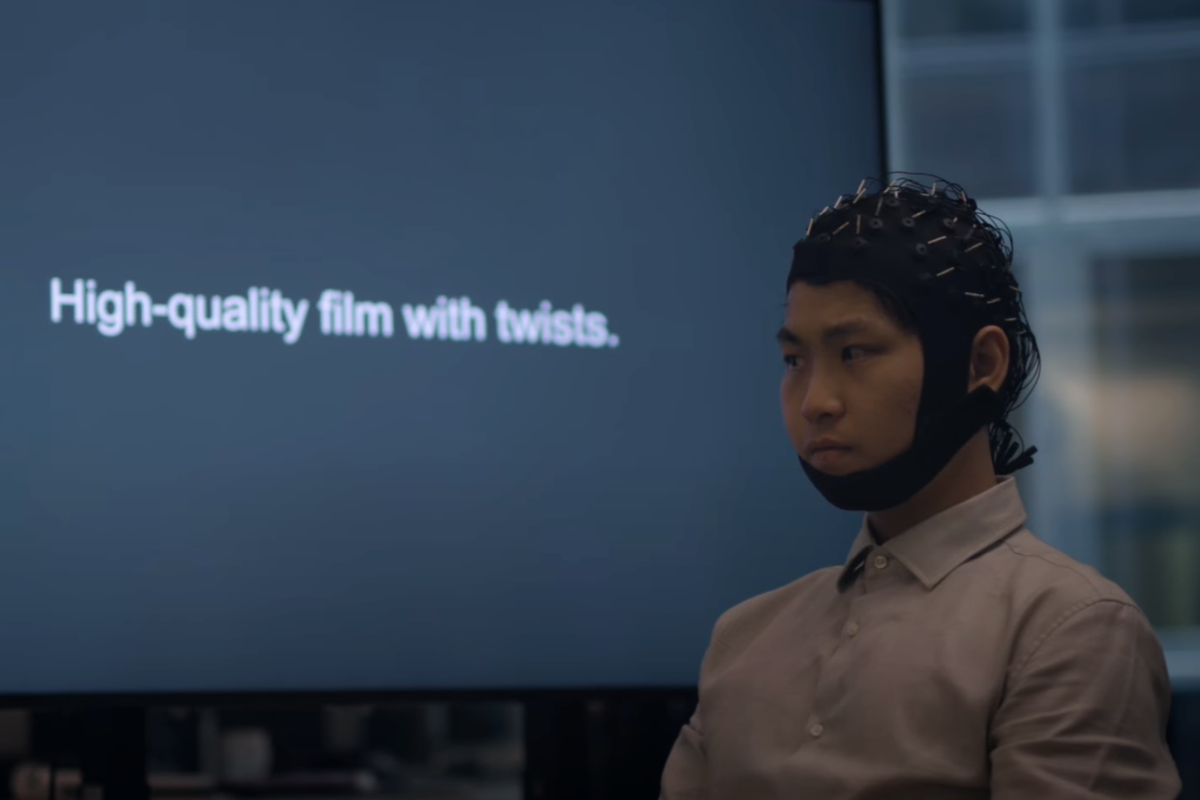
(816, 730)
(852, 629)
(880, 562)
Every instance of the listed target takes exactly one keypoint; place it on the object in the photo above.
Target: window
(929, 18)
(1147, 430)
(1075, 122)
(974, 129)
(1132, 122)
(1100, 13)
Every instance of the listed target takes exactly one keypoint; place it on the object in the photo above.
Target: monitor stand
(612, 744)
(113, 755)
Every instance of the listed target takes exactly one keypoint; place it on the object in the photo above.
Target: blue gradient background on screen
(233, 513)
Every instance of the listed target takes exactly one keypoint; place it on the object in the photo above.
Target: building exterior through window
(1075, 122)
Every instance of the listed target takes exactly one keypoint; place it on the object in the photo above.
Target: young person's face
(852, 374)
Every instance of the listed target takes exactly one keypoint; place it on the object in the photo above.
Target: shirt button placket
(881, 561)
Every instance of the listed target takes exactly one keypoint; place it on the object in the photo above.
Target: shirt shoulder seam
(1070, 567)
(1059, 621)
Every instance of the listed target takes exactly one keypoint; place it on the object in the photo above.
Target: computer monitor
(405, 345)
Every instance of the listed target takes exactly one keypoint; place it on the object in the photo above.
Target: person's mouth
(828, 456)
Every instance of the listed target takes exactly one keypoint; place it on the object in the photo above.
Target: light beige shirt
(962, 659)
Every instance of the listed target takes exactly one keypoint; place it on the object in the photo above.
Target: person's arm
(685, 776)
(1085, 714)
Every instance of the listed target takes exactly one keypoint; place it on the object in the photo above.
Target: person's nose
(822, 398)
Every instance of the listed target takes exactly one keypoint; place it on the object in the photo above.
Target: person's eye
(792, 362)
(848, 351)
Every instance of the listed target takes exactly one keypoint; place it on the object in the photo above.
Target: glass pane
(973, 129)
(1160, 10)
(932, 18)
(1147, 434)
(1134, 126)
(1102, 13)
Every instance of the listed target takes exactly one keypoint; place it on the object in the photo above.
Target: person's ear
(989, 359)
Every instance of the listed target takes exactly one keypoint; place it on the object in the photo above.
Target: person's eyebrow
(842, 330)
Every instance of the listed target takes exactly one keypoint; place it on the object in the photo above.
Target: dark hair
(985, 273)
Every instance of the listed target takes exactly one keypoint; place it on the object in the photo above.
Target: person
(953, 655)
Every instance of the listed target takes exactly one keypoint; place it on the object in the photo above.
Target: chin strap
(935, 442)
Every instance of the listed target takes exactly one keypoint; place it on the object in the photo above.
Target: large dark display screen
(406, 345)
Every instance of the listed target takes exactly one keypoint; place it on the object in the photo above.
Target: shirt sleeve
(1085, 715)
(685, 775)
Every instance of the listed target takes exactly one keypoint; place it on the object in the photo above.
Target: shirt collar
(936, 547)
